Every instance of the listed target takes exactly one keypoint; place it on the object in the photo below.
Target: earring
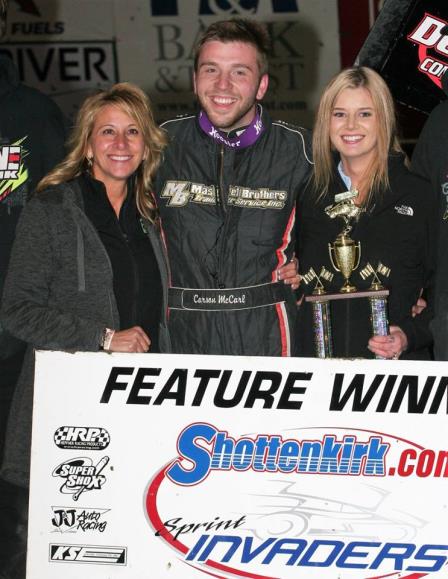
(89, 162)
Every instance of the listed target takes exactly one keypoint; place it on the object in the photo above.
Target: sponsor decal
(81, 475)
(81, 437)
(92, 63)
(404, 210)
(98, 554)
(364, 454)
(288, 527)
(13, 173)
(432, 39)
(73, 519)
(223, 8)
(180, 193)
(262, 198)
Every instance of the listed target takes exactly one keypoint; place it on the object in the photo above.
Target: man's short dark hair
(238, 30)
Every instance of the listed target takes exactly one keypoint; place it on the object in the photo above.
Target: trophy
(378, 301)
(321, 313)
(345, 256)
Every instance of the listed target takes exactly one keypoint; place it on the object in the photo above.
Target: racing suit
(228, 219)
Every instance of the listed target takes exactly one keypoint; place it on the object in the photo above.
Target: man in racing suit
(227, 193)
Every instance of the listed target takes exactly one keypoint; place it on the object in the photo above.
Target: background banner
(68, 48)
(231, 467)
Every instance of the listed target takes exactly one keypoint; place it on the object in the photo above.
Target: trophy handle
(358, 247)
(330, 251)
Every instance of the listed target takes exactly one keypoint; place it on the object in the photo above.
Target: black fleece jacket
(398, 232)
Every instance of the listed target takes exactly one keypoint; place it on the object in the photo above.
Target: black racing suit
(228, 219)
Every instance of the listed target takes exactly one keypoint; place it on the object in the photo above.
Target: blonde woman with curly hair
(88, 268)
(358, 161)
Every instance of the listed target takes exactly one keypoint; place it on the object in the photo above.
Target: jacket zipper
(224, 212)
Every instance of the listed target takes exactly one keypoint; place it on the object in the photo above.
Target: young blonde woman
(356, 152)
(88, 269)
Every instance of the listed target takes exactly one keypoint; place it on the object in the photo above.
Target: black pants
(13, 530)
(13, 499)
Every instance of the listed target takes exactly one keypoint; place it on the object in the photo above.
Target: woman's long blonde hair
(134, 102)
(377, 177)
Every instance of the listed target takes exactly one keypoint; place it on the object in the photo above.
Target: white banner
(232, 467)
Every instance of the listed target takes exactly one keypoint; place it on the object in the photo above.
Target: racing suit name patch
(261, 198)
(180, 193)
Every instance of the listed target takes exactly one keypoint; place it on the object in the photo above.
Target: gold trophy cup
(345, 255)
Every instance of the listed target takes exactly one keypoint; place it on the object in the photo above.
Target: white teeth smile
(223, 100)
(120, 157)
(352, 138)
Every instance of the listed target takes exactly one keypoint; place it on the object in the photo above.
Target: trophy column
(323, 341)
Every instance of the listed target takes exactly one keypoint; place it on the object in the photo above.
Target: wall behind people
(68, 48)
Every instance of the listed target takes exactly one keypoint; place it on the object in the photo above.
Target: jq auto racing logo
(73, 519)
(432, 37)
(80, 475)
(305, 501)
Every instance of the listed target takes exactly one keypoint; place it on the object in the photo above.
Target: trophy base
(343, 296)
(347, 288)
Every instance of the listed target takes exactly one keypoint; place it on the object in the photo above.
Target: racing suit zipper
(224, 209)
(222, 199)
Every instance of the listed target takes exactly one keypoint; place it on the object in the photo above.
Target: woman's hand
(289, 273)
(418, 307)
(391, 346)
(132, 340)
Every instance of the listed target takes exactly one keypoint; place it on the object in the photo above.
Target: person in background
(88, 269)
(32, 136)
(359, 163)
(430, 161)
(226, 192)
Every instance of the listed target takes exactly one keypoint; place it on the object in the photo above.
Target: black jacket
(430, 160)
(221, 232)
(397, 232)
(59, 295)
(34, 127)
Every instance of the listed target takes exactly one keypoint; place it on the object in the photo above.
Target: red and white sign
(234, 467)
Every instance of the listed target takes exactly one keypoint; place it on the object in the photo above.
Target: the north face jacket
(397, 232)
